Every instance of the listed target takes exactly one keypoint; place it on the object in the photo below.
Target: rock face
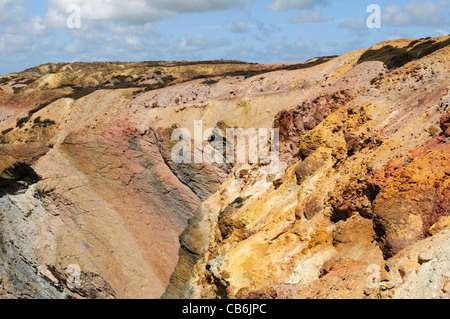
(358, 209)
(365, 190)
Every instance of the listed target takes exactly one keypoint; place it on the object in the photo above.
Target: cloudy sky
(34, 32)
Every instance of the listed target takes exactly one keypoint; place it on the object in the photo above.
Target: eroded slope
(87, 178)
(366, 190)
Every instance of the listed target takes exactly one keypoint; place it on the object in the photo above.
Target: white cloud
(200, 42)
(425, 13)
(56, 19)
(14, 43)
(110, 31)
(284, 51)
(415, 13)
(239, 27)
(332, 44)
(185, 6)
(105, 41)
(136, 11)
(440, 33)
(308, 17)
(131, 29)
(395, 37)
(11, 10)
(37, 26)
(276, 52)
(356, 24)
(280, 5)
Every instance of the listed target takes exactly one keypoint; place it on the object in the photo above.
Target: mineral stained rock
(92, 204)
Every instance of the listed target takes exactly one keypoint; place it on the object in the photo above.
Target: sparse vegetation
(21, 122)
(394, 57)
(433, 130)
(80, 92)
(7, 131)
(210, 82)
(16, 89)
(251, 73)
(38, 122)
(25, 119)
(413, 43)
(4, 80)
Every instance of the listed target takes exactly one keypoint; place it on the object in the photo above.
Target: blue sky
(34, 32)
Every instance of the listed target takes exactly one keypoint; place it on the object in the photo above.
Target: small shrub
(413, 43)
(7, 131)
(210, 82)
(21, 122)
(50, 122)
(433, 130)
(397, 57)
(4, 80)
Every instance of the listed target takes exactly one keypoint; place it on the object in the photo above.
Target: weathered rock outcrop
(364, 193)
(87, 179)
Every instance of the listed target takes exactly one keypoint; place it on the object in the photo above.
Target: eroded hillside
(87, 178)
